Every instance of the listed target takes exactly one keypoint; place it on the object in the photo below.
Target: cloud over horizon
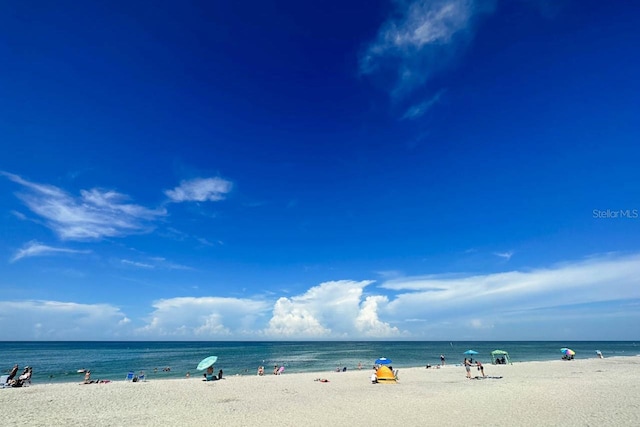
(498, 306)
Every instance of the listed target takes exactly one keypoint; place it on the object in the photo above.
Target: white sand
(578, 393)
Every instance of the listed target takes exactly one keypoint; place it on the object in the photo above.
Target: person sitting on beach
(208, 376)
(87, 378)
(26, 375)
(260, 370)
(13, 373)
(22, 379)
(374, 378)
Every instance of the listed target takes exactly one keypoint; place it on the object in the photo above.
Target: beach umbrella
(382, 361)
(470, 352)
(206, 362)
(568, 351)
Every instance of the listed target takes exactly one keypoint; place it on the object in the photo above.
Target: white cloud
(596, 280)
(204, 317)
(152, 263)
(330, 310)
(136, 264)
(55, 320)
(596, 298)
(93, 215)
(34, 248)
(506, 255)
(200, 190)
(421, 39)
(419, 110)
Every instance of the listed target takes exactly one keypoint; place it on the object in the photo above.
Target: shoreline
(581, 391)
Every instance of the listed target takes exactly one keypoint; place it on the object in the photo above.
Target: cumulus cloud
(56, 320)
(596, 298)
(330, 310)
(34, 248)
(204, 318)
(421, 39)
(93, 215)
(200, 190)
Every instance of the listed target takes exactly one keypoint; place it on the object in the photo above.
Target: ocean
(60, 361)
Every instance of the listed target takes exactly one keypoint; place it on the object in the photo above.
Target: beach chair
(281, 370)
(395, 373)
(130, 376)
(141, 377)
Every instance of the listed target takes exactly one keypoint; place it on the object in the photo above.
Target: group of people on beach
(467, 366)
(23, 379)
(276, 370)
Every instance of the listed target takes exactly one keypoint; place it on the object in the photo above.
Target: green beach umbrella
(206, 362)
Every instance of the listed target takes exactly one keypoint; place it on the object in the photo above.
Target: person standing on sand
(442, 359)
(480, 368)
(467, 367)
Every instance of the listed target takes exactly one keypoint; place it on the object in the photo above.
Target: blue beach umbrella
(470, 352)
(382, 361)
(206, 362)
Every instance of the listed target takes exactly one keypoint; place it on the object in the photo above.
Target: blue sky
(320, 170)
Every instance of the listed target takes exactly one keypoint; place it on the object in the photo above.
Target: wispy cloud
(200, 190)
(35, 248)
(594, 280)
(506, 255)
(421, 39)
(155, 263)
(419, 110)
(93, 215)
(136, 264)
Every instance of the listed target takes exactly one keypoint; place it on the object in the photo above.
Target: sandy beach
(579, 392)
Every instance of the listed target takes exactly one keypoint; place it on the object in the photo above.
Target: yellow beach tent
(385, 375)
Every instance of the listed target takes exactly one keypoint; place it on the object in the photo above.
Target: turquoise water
(59, 361)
